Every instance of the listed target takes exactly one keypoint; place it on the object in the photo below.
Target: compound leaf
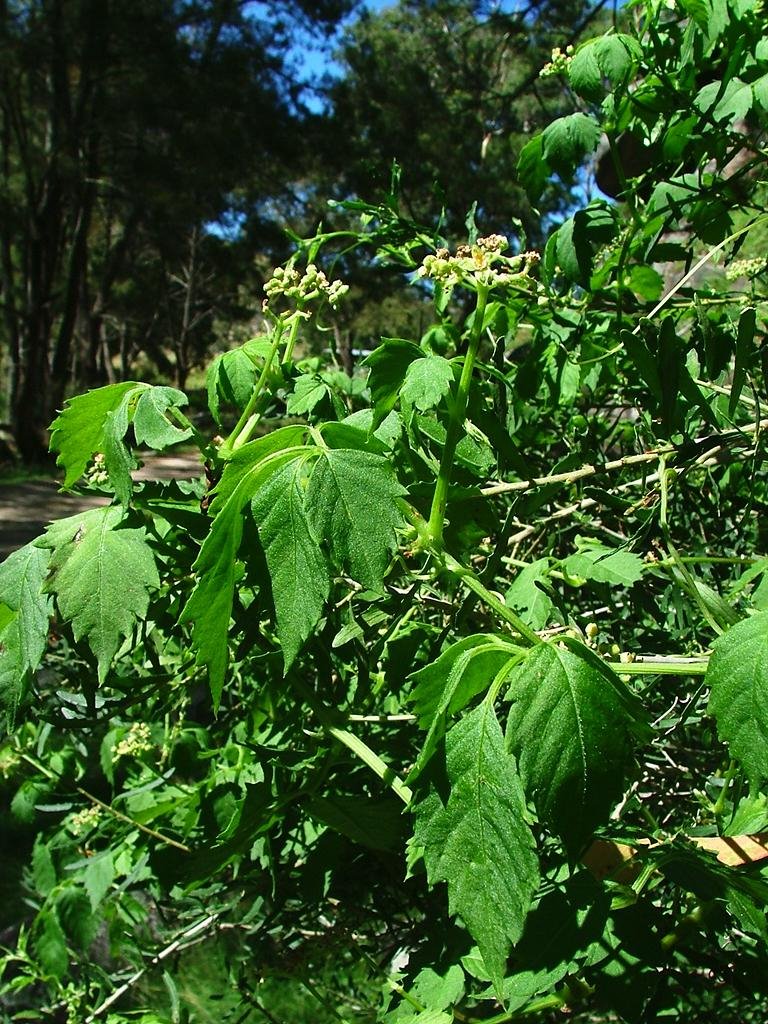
(572, 728)
(738, 677)
(101, 575)
(388, 365)
(308, 391)
(478, 842)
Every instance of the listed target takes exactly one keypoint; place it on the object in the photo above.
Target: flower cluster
(84, 820)
(745, 268)
(306, 287)
(97, 473)
(138, 740)
(481, 263)
(559, 64)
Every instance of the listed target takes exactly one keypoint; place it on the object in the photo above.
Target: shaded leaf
(445, 687)
(738, 680)
(479, 842)
(572, 727)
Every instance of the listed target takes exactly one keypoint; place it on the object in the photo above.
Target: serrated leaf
(352, 504)
(646, 283)
(78, 432)
(24, 637)
(232, 375)
(445, 687)
(117, 457)
(568, 140)
(439, 991)
(209, 607)
(101, 575)
(738, 701)
(532, 168)
(584, 72)
(528, 599)
(98, 877)
(298, 571)
(307, 392)
(388, 365)
(43, 871)
(50, 944)
(478, 842)
(427, 380)
(151, 424)
(604, 565)
(572, 728)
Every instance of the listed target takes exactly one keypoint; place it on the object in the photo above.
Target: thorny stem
(456, 424)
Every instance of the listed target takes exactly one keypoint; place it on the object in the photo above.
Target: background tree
(125, 127)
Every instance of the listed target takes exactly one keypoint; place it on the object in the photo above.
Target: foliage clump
(450, 681)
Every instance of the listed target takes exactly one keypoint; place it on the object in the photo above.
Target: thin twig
(182, 937)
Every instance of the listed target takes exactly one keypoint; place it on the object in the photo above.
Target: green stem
(456, 424)
(246, 423)
(660, 668)
(470, 580)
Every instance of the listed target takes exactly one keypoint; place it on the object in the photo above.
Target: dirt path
(27, 508)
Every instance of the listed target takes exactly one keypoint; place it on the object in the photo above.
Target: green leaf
(388, 365)
(43, 871)
(50, 944)
(604, 565)
(572, 727)
(377, 824)
(427, 380)
(446, 686)
(117, 457)
(738, 701)
(98, 877)
(584, 72)
(479, 842)
(731, 103)
(78, 432)
(528, 599)
(24, 637)
(307, 392)
(151, 424)
(300, 579)
(101, 574)
(577, 239)
(532, 168)
(352, 504)
(438, 991)
(568, 140)
(646, 283)
(209, 607)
